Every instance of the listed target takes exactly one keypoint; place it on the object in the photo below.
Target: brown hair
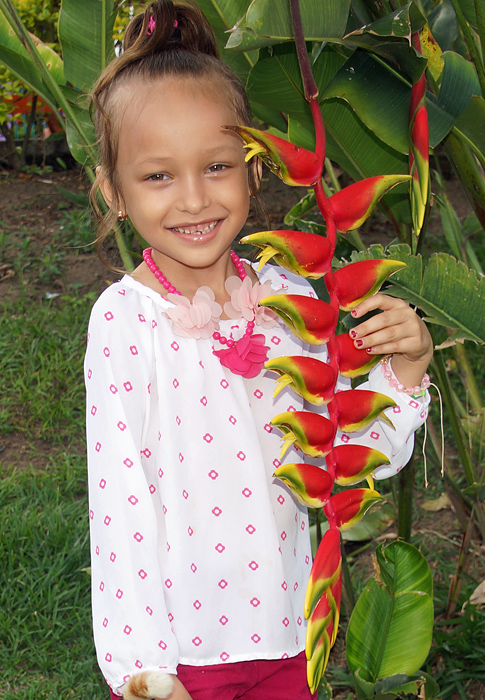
(166, 39)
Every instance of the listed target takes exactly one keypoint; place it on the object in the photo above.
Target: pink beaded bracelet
(414, 391)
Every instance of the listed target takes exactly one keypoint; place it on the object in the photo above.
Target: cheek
(242, 194)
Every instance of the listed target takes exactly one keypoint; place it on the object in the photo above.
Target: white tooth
(198, 232)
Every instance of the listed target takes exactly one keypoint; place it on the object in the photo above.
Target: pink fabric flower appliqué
(198, 319)
(245, 298)
(246, 357)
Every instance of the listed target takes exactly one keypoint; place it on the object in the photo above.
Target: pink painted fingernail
(354, 313)
(368, 349)
(353, 334)
(359, 343)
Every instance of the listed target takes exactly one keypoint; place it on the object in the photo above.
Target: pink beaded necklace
(245, 356)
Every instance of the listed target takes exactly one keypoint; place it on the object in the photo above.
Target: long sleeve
(131, 625)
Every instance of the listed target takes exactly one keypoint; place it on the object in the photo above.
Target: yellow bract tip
(255, 150)
(288, 441)
(266, 254)
(281, 382)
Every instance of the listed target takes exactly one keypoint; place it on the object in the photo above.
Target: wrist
(413, 383)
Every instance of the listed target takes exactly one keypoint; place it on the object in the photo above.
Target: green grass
(41, 383)
(46, 648)
(38, 260)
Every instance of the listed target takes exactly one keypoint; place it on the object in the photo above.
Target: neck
(189, 279)
(186, 280)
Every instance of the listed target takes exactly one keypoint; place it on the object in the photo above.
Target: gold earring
(122, 216)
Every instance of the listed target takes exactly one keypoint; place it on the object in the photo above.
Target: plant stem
(470, 43)
(405, 501)
(480, 13)
(457, 580)
(309, 84)
(469, 380)
(28, 129)
(347, 589)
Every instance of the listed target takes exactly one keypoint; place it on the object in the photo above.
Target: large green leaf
(81, 147)
(86, 36)
(15, 57)
(390, 38)
(471, 122)
(448, 292)
(468, 9)
(265, 25)
(223, 15)
(443, 25)
(381, 99)
(390, 629)
(459, 83)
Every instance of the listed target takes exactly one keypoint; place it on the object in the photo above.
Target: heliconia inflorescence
(419, 151)
(314, 321)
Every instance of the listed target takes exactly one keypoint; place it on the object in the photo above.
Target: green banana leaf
(16, 58)
(468, 9)
(223, 15)
(81, 147)
(86, 36)
(384, 36)
(470, 125)
(445, 289)
(399, 685)
(263, 26)
(391, 626)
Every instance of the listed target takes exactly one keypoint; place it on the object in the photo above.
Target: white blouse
(199, 555)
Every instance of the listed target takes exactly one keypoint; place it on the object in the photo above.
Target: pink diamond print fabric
(199, 556)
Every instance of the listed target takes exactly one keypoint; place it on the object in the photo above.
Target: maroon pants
(276, 679)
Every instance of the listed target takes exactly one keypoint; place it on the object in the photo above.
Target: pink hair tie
(151, 25)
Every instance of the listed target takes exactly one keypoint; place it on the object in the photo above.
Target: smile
(197, 229)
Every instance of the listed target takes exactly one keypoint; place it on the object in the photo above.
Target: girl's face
(183, 179)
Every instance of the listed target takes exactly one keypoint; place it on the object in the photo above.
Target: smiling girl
(200, 558)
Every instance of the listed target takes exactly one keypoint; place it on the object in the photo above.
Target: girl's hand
(397, 331)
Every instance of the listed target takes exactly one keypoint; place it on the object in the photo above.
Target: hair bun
(165, 25)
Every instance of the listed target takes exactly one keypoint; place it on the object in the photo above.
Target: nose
(194, 195)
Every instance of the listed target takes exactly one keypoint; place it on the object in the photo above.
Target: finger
(376, 302)
(387, 342)
(404, 317)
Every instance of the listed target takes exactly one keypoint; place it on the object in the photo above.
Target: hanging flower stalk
(315, 321)
(419, 151)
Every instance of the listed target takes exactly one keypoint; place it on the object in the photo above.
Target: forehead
(173, 114)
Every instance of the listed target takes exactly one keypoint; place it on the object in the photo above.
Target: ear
(256, 175)
(104, 185)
